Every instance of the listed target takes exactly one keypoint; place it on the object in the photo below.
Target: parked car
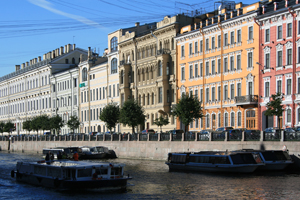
(224, 128)
(146, 131)
(204, 134)
(47, 133)
(92, 133)
(178, 131)
(272, 132)
(252, 134)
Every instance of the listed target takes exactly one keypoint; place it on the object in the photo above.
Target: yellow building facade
(216, 62)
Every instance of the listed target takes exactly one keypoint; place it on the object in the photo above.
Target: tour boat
(212, 161)
(75, 175)
(272, 159)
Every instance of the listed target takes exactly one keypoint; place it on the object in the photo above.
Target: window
(250, 61)
(182, 51)
(201, 46)
(225, 64)
(267, 35)
(219, 41)
(232, 37)
(279, 87)
(190, 48)
(160, 95)
(225, 39)
(206, 44)
(289, 57)
(114, 44)
(196, 47)
(267, 89)
(238, 62)
(250, 33)
(232, 119)
(219, 65)
(231, 63)
(239, 89)
(207, 68)
(196, 70)
(219, 93)
(225, 92)
(207, 121)
(288, 116)
(201, 95)
(267, 61)
(84, 74)
(289, 30)
(152, 98)
(213, 94)
(279, 32)
(201, 69)
(279, 58)
(159, 72)
(206, 94)
(289, 86)
(239, 35)
(114, 66)
(191, 71)
(213, 70)
(182, 73)
(232, 91)
(226, 119)
(298, 55)
(250, 88)
(239, 119)
(213, 45)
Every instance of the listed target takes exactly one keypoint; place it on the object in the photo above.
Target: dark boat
(212, 161)
(72, 175)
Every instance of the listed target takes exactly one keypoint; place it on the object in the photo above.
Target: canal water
(152, 180)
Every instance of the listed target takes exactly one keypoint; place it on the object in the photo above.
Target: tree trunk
(133, 129)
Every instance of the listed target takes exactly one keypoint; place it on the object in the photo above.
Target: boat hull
(212, 168)
(118, 183)
(274, 166)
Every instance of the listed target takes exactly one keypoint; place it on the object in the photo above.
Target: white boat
(273, 159)
(72, 174)
(211, 161)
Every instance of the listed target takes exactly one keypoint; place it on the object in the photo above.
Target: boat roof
(73, 164)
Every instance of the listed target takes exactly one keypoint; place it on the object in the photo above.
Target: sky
(31, 28)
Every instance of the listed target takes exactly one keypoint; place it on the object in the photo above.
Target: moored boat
(273, 159)
(211, 161)
(72, 174)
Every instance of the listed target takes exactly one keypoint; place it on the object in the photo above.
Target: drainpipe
(292, 12)
(259, 117)
(222, 76)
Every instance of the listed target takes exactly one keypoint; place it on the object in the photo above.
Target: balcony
(125, 62)
(246, 100)
(163, 51)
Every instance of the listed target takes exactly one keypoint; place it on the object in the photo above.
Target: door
(250, 119)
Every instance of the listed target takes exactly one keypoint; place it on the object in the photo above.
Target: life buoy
(284, 148)
(12, 173)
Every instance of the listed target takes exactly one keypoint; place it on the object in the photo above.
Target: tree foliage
(161, 121)
(27, 125)
(2, 125)
(73, 123)
(132, 114)
(274, 107)
(56, 123)
(9, 127)
(188, 109)
(110, 115)
(44, 121)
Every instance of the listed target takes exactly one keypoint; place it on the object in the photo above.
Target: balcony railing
(163, 51)
(248, 99)
(125, 62)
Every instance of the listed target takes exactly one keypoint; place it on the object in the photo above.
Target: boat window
(101, 171)
(100, 149)
(40, 170)
(282, 155)
(84, 173)
(242, 159)
(54, 172)
(178, 158)
(116, 171)
(269, 156)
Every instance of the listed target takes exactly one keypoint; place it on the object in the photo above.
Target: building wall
(194, 81)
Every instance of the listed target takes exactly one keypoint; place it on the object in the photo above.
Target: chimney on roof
(23, 65)
(35, 60)
(275, 6)
(39, 59)
(231, 14)
(219, 18)
(89, 53)
(286, 3)
(263, 9)
(137, 24)
(27, 64)
(17, 67)
(61, 50)
(44, 57)
(212, 20)
(74, 47)
(53, 54)
(69, 48)
(297, 1)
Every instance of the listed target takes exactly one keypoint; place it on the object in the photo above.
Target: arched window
(239, 119)
(114, 44)
(84, 74)
(232, 119)
(226, 119)
(207, 121)
(114, 66)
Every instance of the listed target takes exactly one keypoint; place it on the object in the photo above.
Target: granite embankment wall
(156, 150)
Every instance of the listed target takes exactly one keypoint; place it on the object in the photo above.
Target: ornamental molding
(289, 45)
(279, 47)
(267, 49)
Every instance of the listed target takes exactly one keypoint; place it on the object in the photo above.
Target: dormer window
(114, 44)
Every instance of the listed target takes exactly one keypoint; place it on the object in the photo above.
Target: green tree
(35, 124)
(9, 127)
(274, 107)
(110, 115)
(44, 121)
(2, 125)
(188, 109)
(132, 114)
(56, 123)
(161, 121)
(73, 123)
(27, 125)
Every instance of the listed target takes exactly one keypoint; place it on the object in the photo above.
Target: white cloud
(49, 6)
